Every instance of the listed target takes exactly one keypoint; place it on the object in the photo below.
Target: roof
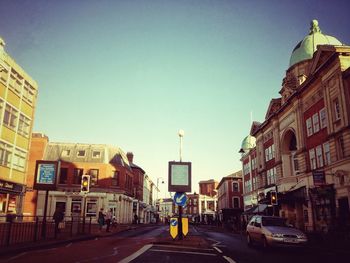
(306, 48)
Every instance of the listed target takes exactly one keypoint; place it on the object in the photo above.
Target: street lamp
(181, 134)
(158, 185)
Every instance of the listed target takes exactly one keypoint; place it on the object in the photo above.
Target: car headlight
(277, 235)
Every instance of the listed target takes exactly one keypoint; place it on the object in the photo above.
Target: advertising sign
(319, 177)
(45, 175)
(179, 177)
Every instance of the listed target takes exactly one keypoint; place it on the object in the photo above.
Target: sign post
(173, 227)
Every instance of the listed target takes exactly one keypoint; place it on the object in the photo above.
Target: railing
(25, 229)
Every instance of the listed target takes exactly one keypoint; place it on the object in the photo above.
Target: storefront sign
(9, 187)
(179, 177)
(319, 177)
(45, 175)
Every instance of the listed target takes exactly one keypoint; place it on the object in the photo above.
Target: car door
(257, 228)
(251, 228)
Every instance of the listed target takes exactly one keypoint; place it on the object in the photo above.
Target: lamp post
(181, 134)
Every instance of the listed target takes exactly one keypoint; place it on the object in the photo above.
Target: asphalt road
(143, 245)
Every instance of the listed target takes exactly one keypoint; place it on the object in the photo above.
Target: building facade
(18, 95)
(111, 184)
(302, 148)
(230, 198)
(208, 187)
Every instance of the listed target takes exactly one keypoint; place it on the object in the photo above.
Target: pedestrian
(136, 218)
(101, 219)
(108, 219)
(58, 217)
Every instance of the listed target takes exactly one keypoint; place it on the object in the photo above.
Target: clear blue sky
(132, 73)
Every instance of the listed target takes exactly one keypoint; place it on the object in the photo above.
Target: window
(5, 154)
(319, 156)
(15, 82)
(63, 176)
(96, 154)
(323, 118)
(94, 176)
(270, 153)
(235, 187)
(28, 92)
(115, 178)
(235, 202)
(65, 153)
(10, 117)
(195, 201)
(81, 153)
(273, 150)
(309, 127)
(23, 125)
(336, 104)
(19, 159)
(327, 153)
(194, 210)
(312, 159)
(340, 144)
(271, 176)
(316, 123)
(78, 173)
(3, 75)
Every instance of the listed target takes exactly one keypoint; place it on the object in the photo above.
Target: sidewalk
(65, 238)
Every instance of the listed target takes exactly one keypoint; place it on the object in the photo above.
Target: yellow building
(18, 93)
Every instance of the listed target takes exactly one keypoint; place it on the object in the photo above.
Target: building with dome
(302, 148)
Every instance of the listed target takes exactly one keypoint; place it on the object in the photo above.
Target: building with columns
(18, 96)
(302, 148)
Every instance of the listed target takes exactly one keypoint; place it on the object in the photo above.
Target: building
(149, 213)
(18, 95)
(191, 210)
(230, 198)
(302, 148)
(111, 185)
(166, 209)
(208, 187)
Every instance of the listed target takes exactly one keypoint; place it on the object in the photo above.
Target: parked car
(273, 231)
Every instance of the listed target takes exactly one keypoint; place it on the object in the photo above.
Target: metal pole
(84, 213)
(43, 229)
(180, 223)
(180, 148)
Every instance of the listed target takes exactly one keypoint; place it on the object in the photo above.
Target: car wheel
(249, 241)
(264, 243)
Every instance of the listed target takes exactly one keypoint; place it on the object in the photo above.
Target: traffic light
(273, 195)
(85, 183)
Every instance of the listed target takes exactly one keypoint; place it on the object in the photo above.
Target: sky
(133, 73)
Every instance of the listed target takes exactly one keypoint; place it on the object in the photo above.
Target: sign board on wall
(179, 177)
(45, 177)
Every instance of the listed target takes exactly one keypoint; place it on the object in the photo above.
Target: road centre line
(183, 252)
(229, 259)
(136, 254)
(204, 249)
(219, 250)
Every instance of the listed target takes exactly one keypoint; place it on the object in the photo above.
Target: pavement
(64, 238)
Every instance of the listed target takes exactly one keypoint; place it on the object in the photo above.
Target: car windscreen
(270, 221)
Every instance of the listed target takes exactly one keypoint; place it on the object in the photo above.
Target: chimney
(130, 156)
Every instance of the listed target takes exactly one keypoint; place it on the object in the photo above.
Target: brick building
(208, 187)
(111, 179)
(302, 148)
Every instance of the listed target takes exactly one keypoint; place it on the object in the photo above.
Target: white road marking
(136, 254)
(19, 255)
(68, 245)
(219, 250)
(206, 249)
(183, 252)
(217, 242)
(229, 259)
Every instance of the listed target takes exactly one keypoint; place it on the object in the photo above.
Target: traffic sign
(173, 227)
(185, 226)
(180, 199)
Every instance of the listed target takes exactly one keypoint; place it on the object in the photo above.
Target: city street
(153, 244)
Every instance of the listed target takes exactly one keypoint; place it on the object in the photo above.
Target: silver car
(273, 231)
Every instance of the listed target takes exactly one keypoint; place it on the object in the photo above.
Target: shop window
(63, 176)
(91, 208)
(76, 206)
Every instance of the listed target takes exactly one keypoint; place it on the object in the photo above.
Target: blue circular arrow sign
(173, 222)
(180, 198)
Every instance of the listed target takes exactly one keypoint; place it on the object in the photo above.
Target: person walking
(58, 217)
(101, 219)
(108, 219)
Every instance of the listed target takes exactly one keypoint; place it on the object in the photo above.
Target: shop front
(10, 198)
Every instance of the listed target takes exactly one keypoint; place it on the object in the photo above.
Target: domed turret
(305, 49)
(248, 143)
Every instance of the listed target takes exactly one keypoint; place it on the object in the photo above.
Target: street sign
(179, 177)
(173, 227)
(180, 199)
(185, 226)
(46, 175)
